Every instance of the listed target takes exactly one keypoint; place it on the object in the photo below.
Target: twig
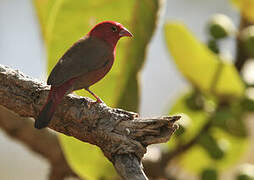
(182, 148)
(157, 169)
(121, 135)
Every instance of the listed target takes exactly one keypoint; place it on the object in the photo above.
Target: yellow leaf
(235, 148)
(199, 65)
(64, 22)
(87, 160)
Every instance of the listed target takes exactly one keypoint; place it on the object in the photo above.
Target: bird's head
(110, 32)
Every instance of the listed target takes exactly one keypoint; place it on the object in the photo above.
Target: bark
(122, 136)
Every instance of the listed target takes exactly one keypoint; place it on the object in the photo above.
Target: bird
(86, 62)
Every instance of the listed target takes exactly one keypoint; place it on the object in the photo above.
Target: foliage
(215, 108)
(195, 60)
(65, 21)
(213, 125)
(221, 145)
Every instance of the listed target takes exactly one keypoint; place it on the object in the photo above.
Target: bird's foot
(92, 103)
(98, 100)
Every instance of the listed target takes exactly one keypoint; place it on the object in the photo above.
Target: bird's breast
(92, 77)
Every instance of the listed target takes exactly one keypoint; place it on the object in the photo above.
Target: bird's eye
(114, 29)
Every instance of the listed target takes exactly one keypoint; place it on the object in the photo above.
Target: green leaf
(146, 14)
(233, 147)
(64, 22)
(44, 9)
(87, 160)
(209, 143)
(200, 65)
(209, 174)
(231, 119)
(247, 104)
(193, 118)
(246, 7)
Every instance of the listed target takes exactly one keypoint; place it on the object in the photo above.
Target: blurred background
(193, 59)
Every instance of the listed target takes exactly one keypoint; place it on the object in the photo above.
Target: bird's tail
(45, 115)
(55, 96)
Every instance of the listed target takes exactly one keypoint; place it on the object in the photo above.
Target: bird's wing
(88, 54)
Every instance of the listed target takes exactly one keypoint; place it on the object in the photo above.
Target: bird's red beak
(124, 32)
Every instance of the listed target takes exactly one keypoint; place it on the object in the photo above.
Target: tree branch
(42, 142)
(121, 135)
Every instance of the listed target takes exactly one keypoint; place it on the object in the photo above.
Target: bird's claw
(92, 103)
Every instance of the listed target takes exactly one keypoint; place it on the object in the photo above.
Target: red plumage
(85, 63)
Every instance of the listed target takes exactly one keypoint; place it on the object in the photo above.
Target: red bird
(85, 63)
